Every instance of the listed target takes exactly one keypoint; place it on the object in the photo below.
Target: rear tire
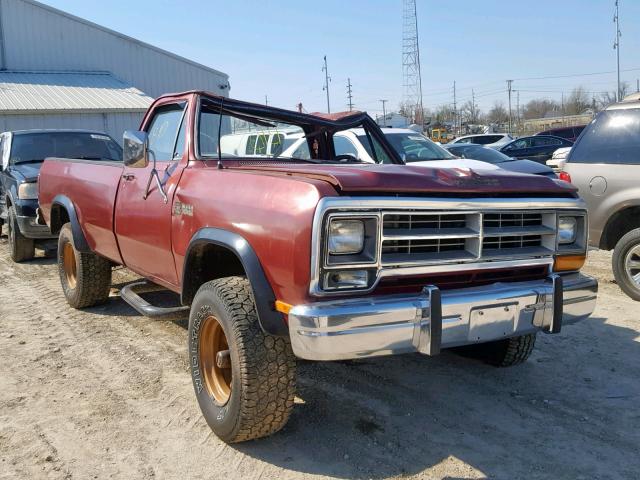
(502, 353)
(626, 263)
(22, 248)
(244, 378)
(85, 276)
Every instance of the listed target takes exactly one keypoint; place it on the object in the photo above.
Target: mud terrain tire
(22, 248)
(502, 353)
(85, 276)
(247, 390)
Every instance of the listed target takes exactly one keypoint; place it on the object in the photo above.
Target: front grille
(431, 237)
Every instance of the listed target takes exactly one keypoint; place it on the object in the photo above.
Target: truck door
(143, 226)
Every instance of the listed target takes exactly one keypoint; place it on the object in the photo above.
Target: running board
(145, 308)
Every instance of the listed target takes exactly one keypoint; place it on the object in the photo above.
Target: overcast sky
(275, 48)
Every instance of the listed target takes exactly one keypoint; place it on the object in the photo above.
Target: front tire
(85, 276)
(244, 378)
(22, 248)
(626, 263)
(502, 353)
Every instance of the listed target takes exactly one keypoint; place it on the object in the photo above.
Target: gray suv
(604, 164)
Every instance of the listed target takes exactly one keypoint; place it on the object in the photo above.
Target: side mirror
(136, 151)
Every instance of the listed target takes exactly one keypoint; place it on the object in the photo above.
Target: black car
(538, 148)
(23, 153)
(489, 155)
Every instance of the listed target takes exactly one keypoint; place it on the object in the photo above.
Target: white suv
(492, 140)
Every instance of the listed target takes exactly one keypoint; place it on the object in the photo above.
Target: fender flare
(270, 320)
(79, 240)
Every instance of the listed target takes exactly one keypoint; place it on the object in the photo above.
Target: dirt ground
(106, 393)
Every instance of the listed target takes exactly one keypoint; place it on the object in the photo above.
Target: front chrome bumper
(434, 319)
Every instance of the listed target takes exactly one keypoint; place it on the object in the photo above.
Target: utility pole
(384, 113)
(349, 95)
(637, 85)
(518, 109)
(509, 82)
(327, 79)
(455, 109)
(266, 101)
(299, 107)
(473, 106)
(616, 47)
(562, 104)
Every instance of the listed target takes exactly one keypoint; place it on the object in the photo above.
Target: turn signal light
(568, 263)
(565, 177)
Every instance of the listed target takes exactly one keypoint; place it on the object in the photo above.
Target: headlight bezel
(368, 254)
(28, 191)
(579, 243)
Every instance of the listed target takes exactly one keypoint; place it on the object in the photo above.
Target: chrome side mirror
(136, 151)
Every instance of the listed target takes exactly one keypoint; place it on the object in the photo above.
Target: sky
(275, 48)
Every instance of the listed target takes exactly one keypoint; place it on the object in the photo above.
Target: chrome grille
(429, 237)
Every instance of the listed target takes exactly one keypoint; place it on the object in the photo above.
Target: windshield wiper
(87, 157)
(33, 160)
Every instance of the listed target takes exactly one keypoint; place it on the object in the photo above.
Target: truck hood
(394, 179)
(29, 171)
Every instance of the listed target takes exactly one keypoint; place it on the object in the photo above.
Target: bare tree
(498, 114)
(607, 98)
(470, 112)
(443, 113)
(539, 108)
(578, 102)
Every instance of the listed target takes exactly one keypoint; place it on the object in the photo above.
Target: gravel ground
(106, 393)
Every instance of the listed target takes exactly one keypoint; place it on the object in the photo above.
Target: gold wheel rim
(69, 265)
(214, 360)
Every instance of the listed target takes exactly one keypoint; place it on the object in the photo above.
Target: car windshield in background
(412, 147)
(483, 154)
(35, 147)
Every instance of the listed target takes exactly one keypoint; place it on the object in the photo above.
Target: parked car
(492, 140)
(538, 148)
(605, 166)
(558, 159)
(22, 155)
(489, 155)
(285, 257)
(411, 146)
(568, 133)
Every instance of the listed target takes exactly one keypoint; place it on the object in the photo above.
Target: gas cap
(598, 185)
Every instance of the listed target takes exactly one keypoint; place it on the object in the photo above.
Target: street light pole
(616, 46)
(327, 79)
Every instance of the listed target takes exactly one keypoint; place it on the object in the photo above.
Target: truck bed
(93, 191)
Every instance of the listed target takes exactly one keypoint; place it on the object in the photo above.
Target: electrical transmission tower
(412, 80)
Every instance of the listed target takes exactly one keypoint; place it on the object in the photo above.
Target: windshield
(35, 147)
(484, 154)
(414, 147)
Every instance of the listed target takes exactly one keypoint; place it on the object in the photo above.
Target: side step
(128, 294)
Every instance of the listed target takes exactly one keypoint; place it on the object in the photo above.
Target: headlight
(567, 230)
(28, 191)
(345, 237)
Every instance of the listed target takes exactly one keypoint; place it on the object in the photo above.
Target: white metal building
(61, 71)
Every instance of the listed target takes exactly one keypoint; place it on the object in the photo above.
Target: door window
(545, 142)
(163, 132)
(277, 144)
(612, 137)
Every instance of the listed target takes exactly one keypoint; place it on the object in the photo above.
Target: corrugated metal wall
(38, 37)
(112, 123)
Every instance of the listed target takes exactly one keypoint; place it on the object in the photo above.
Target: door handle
(128, 176)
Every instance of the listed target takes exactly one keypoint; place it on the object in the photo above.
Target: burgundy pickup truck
(311, 254)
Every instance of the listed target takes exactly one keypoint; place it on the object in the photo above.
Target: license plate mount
(492, 322)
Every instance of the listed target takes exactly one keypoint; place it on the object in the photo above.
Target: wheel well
(59, 216)
(208, 261)
(618, 225)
